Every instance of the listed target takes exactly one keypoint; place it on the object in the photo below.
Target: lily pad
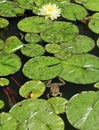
(9, 64)
(34, 24)
(82, 111)
(73, 12)
(24, 109)
(94, 23)
(3, 23)
(45, 121)
(59, 104)
(32, 88)
(81, 69)
(96, 85)
(79, 44)
(1, 104)
(32, 37)
(1, 44)
(98, 42)
(10, 9)
(4, 82)
(42, 68)
(12, 44)
(60, 32)
(26, 4)
(7, 122)
(33, 50)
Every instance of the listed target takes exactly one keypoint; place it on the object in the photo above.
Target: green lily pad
(3, 23)
(1, 44)
(24, 109)
(98, 42)
(9, 64)
(94, 23)
(26, 4)
(82, 111)
(60, 32)
(34, 89)
(4, 82)
(1, 104)
(10, 9)
(32, 50)
(53, 48)
(79, 44)
(42, 68)
(81, 69)
(34, 24)
(91, 5)
(58, 103)
(45, 121)
(7, 122)
(32, 37)
(73, 12)
(96, 85)
(12, 44)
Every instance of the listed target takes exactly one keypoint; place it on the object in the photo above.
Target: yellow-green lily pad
(33, 50)
(4, 82)
(3, 23)
(10, 9)
(73, 12)
(1, 104)
(1, 44)
(7, 122)
(9, 64)
(59, 104)
(12, 44)
(94, 23)
(32, 89)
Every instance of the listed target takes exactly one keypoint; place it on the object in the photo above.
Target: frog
(54, 88)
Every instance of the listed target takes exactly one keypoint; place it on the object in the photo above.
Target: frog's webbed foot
(62, 82)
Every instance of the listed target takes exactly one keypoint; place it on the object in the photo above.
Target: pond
(49, 64)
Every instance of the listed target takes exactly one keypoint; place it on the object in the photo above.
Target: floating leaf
(7, 122)
(46, 121)
(94, 23)
(53, 48)
(42, 68)
(12, 44)
(10, 9)
(26, 4)
(34, 89)
(32, 37)
(73, 12)
(81, 69)
(32, 50)
(91, 5)
(3, 23)
(34, 24)
(24, 109)
(58, 103)
(79, 44)
(4, 82)
(9, 64)
(1, 44)
(60, 32)
(98, 42)
(96, 85)
(82, 111)
(1, 104)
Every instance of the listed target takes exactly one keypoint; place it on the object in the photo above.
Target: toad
(54, 88)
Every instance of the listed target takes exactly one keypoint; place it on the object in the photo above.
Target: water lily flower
(50, 11)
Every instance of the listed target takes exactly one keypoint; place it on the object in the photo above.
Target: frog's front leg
(62, 82)
(48, 84)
